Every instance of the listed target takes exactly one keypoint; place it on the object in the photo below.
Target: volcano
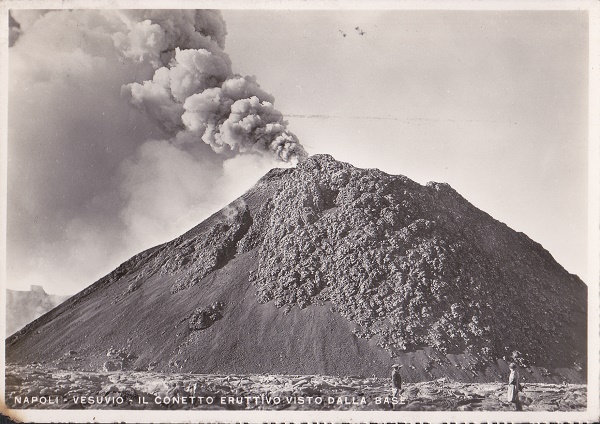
(329, 269)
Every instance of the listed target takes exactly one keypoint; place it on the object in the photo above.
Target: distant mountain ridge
(22, 307)
(328, 268)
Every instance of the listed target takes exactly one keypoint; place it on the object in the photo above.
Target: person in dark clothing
(396, 380)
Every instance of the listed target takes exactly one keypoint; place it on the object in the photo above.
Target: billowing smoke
(126, 129)
(194, 90)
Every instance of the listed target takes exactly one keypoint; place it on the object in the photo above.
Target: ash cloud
(126, 128)
(194, 89)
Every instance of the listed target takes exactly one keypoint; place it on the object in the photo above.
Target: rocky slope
(327, 268)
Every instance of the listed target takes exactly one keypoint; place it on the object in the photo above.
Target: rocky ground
(39, 387)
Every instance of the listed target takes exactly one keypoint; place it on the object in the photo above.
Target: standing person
(513, 386)
(396, 380)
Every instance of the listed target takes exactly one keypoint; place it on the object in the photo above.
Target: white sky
(493, 103)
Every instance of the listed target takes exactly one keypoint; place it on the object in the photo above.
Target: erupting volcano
(329, 269)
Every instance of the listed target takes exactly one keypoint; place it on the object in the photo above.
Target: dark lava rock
(414, 265)
(112, 366)
(205, 317)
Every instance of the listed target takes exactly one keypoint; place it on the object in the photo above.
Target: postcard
(300, 211)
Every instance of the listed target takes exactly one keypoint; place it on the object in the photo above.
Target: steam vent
(329, 269)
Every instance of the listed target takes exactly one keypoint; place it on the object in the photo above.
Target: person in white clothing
(514, 386)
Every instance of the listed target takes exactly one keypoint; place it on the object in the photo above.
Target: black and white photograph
(287, 211)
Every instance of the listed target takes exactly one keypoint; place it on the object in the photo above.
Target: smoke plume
(126, 128)
(193, 89)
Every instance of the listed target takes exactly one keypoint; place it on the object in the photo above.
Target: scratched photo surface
(281, 210)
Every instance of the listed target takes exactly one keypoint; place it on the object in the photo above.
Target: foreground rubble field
(42, 388)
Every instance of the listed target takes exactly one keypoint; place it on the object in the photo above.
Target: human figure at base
(514, 387)
(396, 380)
